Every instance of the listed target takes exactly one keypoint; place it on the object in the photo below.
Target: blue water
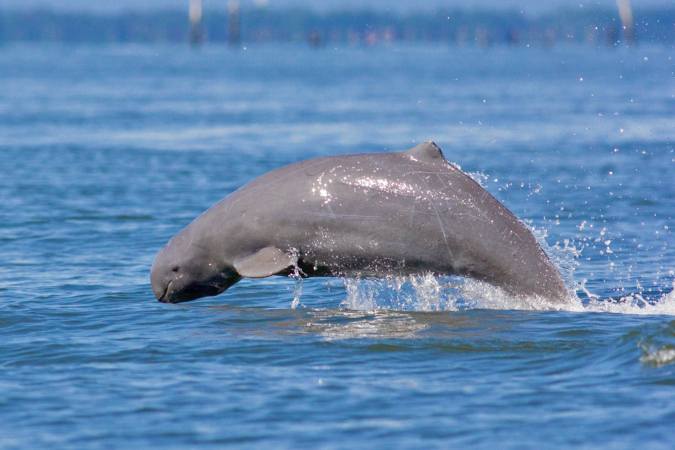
(106, 152)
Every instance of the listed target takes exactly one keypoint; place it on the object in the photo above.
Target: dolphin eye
(175, 269)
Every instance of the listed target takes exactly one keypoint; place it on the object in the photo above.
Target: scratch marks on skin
(394, 185)
(330, 209)
(517, 236)
(424, 172)
(473, 209)
(441, 225)
(484, 196)
(420, 191)
(342, 216)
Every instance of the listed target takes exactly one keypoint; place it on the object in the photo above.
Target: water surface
(108, 151)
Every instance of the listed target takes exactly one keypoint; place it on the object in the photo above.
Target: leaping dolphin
(399, 213)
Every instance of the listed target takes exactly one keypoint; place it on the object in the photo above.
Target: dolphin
(399, 213)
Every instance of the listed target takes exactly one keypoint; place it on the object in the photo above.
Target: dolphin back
(376, 214)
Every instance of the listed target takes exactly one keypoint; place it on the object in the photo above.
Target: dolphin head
(190, 266)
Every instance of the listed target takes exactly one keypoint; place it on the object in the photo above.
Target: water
(108, 151)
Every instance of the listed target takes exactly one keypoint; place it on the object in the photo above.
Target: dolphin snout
(160, 284)
(162, 277)
(164, 295)
(167, 288)
(172, 285)
(183, 271)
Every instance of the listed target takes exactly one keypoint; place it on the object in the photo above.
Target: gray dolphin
(396, 213)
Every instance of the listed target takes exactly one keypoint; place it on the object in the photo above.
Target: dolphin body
(398, 213)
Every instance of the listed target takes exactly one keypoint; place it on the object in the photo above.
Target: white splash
(564, 255)
(634, 303)
(478, 177)
(657, 356)
(401, 293)
(297, 288)
(297, 293)
(430, 293)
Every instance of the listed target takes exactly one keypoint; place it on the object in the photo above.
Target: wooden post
(233, 22)
(195, 14)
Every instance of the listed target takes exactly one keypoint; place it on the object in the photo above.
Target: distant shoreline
(597, 27)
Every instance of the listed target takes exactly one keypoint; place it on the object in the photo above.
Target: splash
(296, 275)
(634, 303)
(401, 293)
(657, 357)
(658, 348)
(431, 293)
(297, 292)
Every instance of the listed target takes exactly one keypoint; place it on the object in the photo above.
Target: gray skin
(381, 214)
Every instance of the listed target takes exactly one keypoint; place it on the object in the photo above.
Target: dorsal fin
(426, 151)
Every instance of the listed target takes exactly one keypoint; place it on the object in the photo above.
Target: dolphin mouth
(163, 298)
(197, 290)
(191, 293)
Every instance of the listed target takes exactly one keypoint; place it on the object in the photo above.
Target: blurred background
(483, 22)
